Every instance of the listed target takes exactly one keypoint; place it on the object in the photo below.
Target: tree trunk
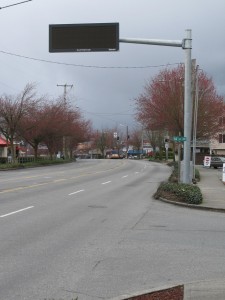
(11, 140)
(35, 151)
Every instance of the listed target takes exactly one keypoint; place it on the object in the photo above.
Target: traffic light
(118, 138)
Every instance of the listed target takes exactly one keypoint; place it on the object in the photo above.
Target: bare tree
(30, 127)
(13, 108)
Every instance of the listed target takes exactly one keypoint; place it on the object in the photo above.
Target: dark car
(217, 162)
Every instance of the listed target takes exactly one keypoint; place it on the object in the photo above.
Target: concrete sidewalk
(212, 188)
(213, 191)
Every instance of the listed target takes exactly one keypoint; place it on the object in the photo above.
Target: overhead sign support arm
(171, 43)
(185, 44)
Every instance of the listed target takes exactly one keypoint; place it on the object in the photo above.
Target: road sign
(179, 139)
(207, 161)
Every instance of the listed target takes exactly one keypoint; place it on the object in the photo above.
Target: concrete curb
(193, 206)
(196, 290)
(205, 290)
(177, 292)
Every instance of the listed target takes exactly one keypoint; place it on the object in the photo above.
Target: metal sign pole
(186, 44)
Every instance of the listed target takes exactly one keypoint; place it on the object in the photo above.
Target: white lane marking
(137, 172)
(76, 192)
(125, 176)
(106, 182)
(15, 212)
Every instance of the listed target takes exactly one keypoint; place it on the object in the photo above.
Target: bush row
(32, 163)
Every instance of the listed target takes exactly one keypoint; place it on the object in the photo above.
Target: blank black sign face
(84, 37)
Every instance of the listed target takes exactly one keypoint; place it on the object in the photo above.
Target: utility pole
(195, 121)
(127, 145)
(65, 86)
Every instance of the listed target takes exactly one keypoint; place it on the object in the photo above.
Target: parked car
(217, 162)
(115, 155)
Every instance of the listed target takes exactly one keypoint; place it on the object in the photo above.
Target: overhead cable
(87, 66)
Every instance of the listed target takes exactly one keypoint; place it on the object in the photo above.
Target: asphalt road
(92, 230)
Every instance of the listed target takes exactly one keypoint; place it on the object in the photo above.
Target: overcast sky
(106, 95)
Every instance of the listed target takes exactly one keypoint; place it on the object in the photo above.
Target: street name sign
(179, 139)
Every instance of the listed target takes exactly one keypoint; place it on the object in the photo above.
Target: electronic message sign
(84, 37)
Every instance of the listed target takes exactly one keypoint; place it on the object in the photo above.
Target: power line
(14, 4)
(87, 66)
(109, 114)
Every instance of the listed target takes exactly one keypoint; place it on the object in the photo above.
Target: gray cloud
(105, 94)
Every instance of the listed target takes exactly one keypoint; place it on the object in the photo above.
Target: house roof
(3, 142)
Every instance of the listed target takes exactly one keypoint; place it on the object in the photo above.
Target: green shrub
(187, 193)
(151, 158)
(197, 174)
(3, 160)
(158, 156)
(7, 166)
(31, 163)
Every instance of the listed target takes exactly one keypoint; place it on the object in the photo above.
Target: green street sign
(179, 139)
